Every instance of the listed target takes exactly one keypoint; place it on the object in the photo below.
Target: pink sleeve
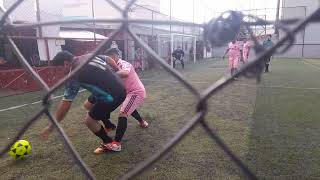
(126, 66)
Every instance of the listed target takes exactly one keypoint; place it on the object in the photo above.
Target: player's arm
(61, 112)
(112, 63)
(226, 53)
(71, 91)
(123, 73)
(124, 70)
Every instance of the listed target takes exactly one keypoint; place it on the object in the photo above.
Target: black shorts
(107, 81)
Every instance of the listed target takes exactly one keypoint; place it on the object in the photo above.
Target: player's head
(179, 47)
(62, 58)
(113, 53)
(233, 41)
(269, 37)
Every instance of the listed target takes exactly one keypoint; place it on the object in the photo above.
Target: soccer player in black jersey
(100, 81)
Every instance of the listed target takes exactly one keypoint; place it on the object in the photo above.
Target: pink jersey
(132, 82)
(234, 49)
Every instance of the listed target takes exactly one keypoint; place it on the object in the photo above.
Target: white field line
(28, 104)
(310, 64)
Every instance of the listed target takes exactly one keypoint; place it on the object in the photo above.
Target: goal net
(167, 43)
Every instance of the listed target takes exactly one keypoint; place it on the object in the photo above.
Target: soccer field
(273, 126)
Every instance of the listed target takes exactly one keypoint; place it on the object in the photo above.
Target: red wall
(20, 79)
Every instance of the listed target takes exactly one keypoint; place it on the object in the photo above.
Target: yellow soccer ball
(21, 149)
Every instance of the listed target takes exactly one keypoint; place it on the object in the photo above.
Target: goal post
(171, 42)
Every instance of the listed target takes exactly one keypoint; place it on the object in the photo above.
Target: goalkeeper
(178, 55)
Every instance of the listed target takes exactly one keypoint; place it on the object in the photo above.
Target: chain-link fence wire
(216, 33)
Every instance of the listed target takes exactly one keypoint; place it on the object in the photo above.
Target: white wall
(50, 11)
(102, 9)
(24, 12)
(310, 35)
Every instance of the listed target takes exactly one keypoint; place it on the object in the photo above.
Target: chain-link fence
(39, 44)
(216, 33)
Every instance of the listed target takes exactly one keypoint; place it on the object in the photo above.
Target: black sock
(136, 115)
(121, 128)
(103, 135)
(108, 124)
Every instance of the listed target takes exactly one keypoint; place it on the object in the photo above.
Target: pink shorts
(131, 103)
(233, 61)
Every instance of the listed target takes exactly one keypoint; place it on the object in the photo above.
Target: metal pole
(170, 14)
(265, 18)
(277, 17)
(171, 49)
(304, 34)
(41, 33)
(194, 49)
(152, 28)
(94, 24)
(193, 16)
(159, 45)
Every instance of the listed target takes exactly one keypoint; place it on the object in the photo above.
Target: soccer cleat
(143, 124)
(101, 149)
(114, 146)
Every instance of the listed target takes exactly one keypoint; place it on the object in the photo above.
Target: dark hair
(61, 57)
(111, 51)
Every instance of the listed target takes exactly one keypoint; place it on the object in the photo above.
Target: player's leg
(231, 64)
(131, 103)
(96, 113)
(267, 63)
(142, 123)
(174, 63)
(236, 64)
(89, 103)
(245, 56)
(102, 110)
(182, 63)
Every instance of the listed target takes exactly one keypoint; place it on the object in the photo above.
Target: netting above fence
(216, 33)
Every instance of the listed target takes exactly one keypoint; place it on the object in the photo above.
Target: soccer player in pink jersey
(136, 94)
(234, 56)
(246, 50)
